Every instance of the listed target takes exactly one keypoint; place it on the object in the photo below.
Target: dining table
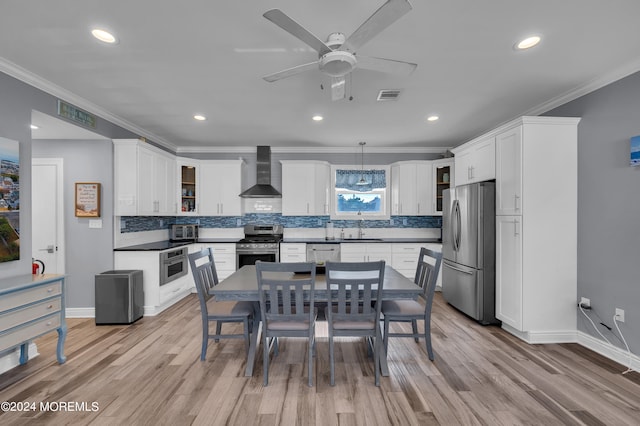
(242, 285)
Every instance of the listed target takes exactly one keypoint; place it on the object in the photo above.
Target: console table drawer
(21, 316)
(31, 295)
(23, 334)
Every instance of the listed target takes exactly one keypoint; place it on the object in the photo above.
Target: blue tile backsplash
(155, 223)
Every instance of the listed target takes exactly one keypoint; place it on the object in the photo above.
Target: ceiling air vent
(388, 95)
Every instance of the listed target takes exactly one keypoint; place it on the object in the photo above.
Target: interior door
(47, 205)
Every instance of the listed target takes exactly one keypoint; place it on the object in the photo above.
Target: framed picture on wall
(87, 199)
(9, 200)
(635, 151)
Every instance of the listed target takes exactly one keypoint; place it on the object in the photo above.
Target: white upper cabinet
(412, 188)
(475, 161)
(210, 187)
(144, 179)
(443, 178)
(221, 185)
(305, 188)
(509, 172)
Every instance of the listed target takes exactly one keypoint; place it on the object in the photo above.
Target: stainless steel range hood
(263, 188)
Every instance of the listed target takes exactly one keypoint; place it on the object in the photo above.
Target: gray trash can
(119, 297)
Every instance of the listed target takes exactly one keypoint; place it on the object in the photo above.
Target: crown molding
(591, 86)
(46, 86)
(310, 150)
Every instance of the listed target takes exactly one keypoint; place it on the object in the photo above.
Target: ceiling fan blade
(338, 88)
(279, 18)
(291, 71)
(388, 13)
(385, 65)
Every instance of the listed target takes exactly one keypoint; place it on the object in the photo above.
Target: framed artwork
(635, 151)
(9, 200)
(87, 198)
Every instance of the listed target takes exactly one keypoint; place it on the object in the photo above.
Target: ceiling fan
(337, 56)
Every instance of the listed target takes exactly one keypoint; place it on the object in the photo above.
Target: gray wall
(608, 206)
(88, 251)
(17, 100)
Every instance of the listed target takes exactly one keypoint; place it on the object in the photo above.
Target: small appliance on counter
(329, 231)
(184, 232)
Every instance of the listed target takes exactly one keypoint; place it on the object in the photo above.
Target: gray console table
(31, 306)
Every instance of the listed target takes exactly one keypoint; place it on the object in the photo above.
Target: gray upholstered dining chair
(413, 310)
(354, 305)
(283, 308)
(205, 276)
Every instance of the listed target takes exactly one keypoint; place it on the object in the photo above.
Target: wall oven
(260, 242)
(173, 265)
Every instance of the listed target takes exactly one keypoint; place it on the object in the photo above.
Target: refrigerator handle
(453, 225)
(456, 239)
(457, 269)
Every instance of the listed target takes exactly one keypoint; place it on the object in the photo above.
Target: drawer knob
(49, 306)
(50, 289)
(49, 323)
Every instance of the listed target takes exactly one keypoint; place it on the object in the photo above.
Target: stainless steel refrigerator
(468, 250)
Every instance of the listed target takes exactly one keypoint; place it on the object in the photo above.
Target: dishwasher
(321, 253)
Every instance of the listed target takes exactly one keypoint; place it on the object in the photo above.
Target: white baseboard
(80, 312)
(614, 353)
(12, 359)
(611, 352)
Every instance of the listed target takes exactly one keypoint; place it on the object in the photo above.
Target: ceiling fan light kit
(337, 56)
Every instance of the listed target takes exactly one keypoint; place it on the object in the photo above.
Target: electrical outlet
(619, 315)
(585, 303)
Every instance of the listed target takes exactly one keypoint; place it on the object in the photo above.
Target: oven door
(173, 265)
(251, 257)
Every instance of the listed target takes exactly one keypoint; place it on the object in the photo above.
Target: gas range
(260, 237)
(260, 242)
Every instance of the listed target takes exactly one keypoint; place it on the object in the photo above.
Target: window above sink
(360, 193)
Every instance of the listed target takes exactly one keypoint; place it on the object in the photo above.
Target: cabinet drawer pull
(50, 289)
(49, 323)
(49, 306)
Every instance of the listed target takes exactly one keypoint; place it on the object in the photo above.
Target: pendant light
(362, 180)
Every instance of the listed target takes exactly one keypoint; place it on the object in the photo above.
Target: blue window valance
(349, 179)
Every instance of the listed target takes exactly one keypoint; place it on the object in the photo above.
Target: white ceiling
(178, 58)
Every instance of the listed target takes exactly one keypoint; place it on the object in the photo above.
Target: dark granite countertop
(362, 240)
(167, 244)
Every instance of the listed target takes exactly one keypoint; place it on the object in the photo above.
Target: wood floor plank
(150, 372)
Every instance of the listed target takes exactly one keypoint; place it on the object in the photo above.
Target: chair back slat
(427, 272)
(204, 274)
(354, 289)
(284, 288)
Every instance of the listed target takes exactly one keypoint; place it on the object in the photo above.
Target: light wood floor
(150, 373)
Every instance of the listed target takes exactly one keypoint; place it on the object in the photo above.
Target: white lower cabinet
(509, 303)
(156, 298)
(404, 258)
(293, 252)
(365, 252)
(224, 257)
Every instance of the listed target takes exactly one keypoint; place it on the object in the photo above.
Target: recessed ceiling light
(104, 36)
(199, 117)
(433, 118)
(317, 118)
(528, 43)
(34, 127)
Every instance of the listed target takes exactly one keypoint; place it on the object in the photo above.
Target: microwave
(184, 232)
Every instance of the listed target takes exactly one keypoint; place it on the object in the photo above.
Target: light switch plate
(95, 223)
